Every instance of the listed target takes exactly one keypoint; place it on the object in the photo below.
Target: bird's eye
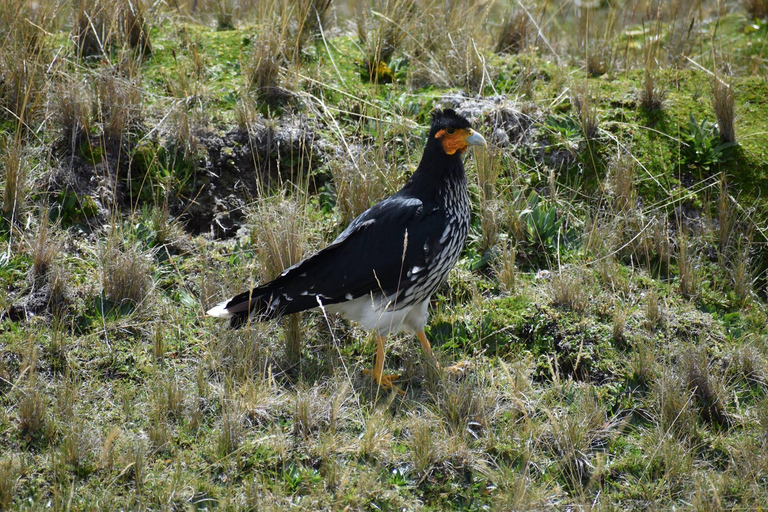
(450, 131)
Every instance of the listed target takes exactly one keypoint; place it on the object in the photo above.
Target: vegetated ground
(609, 308)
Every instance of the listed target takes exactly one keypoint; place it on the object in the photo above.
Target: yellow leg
(425, 346)
(457, 369)
(383, 380)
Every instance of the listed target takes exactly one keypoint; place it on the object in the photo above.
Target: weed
(545, 234)
(702, 146)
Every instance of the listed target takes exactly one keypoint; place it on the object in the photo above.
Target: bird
(383, 268)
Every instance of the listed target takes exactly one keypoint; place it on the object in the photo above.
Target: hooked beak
(475, 139)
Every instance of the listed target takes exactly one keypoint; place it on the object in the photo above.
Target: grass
(609, 308)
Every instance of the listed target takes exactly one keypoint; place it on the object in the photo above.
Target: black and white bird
(382, 270)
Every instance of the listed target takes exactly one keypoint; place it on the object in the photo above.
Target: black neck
(437, 169)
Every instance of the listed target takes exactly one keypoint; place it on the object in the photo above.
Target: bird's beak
(475, 139)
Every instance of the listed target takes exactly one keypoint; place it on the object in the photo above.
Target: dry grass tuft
(263, 69)
(9, 473)
(14, 168)
(575, 434)
(101, 25)
(707, 389)
(376, 438)
(653, 311)
(689, 279)
(757, 9)
(384, 33)
(33, 409)
(361, 182)
(586, 110)
(514, 33)
(125, 272)
(652, 94)
(44, 249)
(568, 290)
(621, 181)
(231, 431)
(723, 101)
(118, 105)
(619, 324)
(311, 413)
(462, 405)
(674, 405)
(749, 363)
(423, 446)
(280, 234)
(741, 275)
(642, 365)
(76, 449)
(24, 57)
(504, 266)
(71, 107)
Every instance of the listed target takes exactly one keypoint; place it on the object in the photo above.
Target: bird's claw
(459, 369)
(385, 380)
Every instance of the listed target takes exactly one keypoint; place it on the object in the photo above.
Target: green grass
(619, 364)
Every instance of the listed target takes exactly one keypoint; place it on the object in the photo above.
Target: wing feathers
(367, 257)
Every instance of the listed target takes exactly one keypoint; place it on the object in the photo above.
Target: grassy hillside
(609, 310)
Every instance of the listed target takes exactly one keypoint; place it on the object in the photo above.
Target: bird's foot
(459, 369)
(385, 380)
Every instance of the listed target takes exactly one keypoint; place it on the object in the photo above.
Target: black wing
(375, 253)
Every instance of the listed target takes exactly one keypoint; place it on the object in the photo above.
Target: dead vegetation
(607, 315)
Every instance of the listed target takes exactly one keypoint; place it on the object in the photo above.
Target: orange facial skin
(454, 139)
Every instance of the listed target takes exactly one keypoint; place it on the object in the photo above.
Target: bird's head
(453, 132)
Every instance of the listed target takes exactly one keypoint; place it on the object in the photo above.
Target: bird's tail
(259, 302)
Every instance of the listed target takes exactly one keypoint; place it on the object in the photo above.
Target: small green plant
(70, 210)
(702, 148)
(542, 223)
